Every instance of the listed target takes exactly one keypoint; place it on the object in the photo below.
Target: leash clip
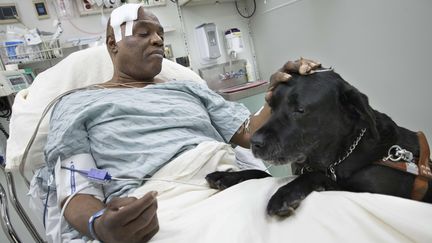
(396, 153)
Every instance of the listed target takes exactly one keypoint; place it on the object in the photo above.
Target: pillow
(79, 69)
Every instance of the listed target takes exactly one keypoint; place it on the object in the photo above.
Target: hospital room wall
(381, 47)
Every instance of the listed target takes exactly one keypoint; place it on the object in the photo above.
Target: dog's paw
(221, 180)
(283, 204)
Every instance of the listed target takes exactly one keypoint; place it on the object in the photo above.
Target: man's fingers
(279, 77)
(291, 67)
(307, 66)
(313, 64)
(145, 223)
(304, 69)
(129, 212)
(302, 66)
(150, 234)
(117, 203)
(275, 79)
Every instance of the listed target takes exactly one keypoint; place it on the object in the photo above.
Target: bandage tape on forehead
(126, 13)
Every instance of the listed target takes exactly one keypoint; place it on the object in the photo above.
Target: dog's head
(313, 118)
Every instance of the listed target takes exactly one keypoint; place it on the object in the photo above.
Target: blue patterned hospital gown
(133, 132)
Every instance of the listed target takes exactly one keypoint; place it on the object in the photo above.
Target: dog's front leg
(288, 197)
(223, 179)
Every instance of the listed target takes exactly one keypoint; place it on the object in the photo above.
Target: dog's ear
(358, 108)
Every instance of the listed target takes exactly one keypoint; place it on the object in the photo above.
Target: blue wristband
(91, 223)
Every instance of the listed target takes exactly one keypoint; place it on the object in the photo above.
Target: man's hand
(128, 220)
(302, 66)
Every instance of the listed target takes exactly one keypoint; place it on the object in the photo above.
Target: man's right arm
(124, 220)
(80, 209)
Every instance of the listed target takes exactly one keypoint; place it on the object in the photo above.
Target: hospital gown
(130, 133)
(133, 132)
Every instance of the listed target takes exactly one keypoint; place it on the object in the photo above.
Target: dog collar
(331, 169)
(401, 159)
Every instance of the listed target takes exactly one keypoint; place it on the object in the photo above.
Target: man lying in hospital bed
(234, 215)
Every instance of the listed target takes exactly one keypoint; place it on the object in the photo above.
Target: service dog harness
(397, 158)
(401, 159)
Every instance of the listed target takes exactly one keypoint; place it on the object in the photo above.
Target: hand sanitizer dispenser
(234, 42)
(208, 41)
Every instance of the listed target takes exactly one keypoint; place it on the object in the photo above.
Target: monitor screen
(41, 9)
(16, 80)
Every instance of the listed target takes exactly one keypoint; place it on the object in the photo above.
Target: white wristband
(91, 224)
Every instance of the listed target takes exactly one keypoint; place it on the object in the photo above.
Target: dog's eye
(300, 110)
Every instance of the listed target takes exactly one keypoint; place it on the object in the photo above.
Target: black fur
(314, 121)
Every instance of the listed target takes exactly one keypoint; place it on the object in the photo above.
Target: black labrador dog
(328, 129)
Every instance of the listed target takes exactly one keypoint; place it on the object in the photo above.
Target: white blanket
(195, 213)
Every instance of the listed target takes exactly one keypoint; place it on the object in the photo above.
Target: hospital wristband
(91, 223)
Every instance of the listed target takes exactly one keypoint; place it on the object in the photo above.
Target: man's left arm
(244, 133)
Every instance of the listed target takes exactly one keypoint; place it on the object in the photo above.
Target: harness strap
(421, 169)
(421, 182)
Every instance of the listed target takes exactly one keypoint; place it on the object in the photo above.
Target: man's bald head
(120, 18)
(135, 43)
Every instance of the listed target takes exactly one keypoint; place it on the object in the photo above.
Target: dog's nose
(257, 141)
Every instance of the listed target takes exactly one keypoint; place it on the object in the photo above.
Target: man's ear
(358, 108)
(111, 44)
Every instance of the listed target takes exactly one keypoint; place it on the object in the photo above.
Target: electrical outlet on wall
(168, 51)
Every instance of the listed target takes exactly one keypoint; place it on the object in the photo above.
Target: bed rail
(7, 226)
(5, 220)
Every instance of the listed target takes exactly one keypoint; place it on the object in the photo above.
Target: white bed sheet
(195, 213)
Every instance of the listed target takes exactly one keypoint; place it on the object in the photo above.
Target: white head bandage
(126, 13)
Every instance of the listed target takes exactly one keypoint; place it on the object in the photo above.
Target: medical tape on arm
(124, 14)
(69, 181)
(245, 128)
(259, 111)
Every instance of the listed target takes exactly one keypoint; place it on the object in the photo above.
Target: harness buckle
(396, 153)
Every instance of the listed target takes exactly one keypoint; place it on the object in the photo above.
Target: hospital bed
(190, 211)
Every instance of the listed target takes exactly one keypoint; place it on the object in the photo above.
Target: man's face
(140, 55)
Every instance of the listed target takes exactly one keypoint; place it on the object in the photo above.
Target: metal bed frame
(7, 226)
